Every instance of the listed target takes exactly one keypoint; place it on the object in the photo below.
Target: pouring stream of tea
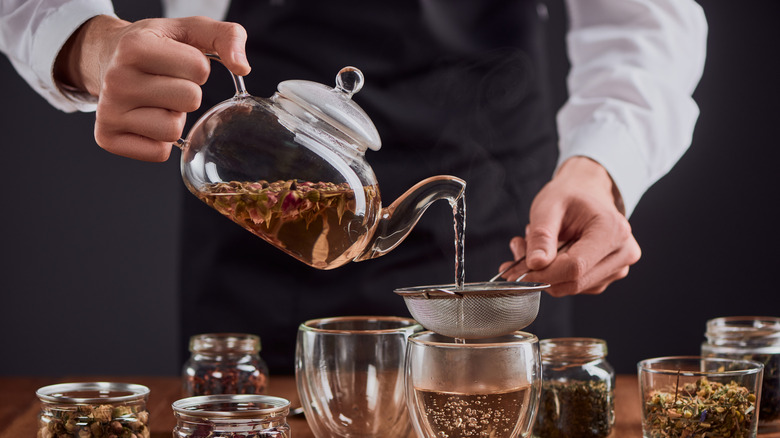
(459, 222)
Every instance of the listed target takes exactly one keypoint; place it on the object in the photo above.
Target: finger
(542, 233)
(605, 234)
(570, 274)
(228, 40)
(148, 50)
(599, 248)
(517, 246)
(155, 123)
(166, 92)
(134, 146)
(516, 272)
(560, 290)
(610, 269)
(175, 47)
(601, 286)
(606, 283)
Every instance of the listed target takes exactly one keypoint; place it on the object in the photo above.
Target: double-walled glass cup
(480, 387)
(350, 375)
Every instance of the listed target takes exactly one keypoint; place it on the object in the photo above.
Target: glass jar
(224, 363)
(93, 409)
(231, 415)
(755, 338)
(578, 389)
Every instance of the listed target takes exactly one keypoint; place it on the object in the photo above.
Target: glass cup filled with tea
(350, 375)
(477, 387)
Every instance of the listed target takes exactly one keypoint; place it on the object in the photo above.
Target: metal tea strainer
(477, 310)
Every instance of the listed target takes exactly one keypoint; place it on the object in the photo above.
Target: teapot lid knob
(349, 80)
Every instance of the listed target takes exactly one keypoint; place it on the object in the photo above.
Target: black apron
(454, 87)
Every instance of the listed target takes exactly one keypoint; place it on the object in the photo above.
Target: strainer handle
(563, 246)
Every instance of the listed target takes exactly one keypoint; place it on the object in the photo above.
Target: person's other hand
(577, 206)
(147, 76)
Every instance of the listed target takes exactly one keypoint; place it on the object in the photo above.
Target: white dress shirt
(634, 66)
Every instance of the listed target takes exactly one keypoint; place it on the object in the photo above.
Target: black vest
(454, 87)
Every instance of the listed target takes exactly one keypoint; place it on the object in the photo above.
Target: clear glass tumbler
(693, 396)
(350, 375)
(474, 388)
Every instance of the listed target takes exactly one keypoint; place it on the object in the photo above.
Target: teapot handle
(238, 81)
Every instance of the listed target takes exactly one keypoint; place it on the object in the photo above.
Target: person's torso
(453, 86)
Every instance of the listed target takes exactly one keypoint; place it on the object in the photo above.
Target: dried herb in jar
(224, 363)
(571, 408)
(769, 408)
(770, 388)
(216, 378)
(99, 421)
(700, 409)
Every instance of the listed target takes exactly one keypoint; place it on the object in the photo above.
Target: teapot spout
(398, 219)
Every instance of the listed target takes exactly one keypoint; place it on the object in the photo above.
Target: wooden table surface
(19, 406)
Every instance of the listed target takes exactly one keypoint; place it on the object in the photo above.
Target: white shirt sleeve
(634, 66)
(32, 32)
(216, 9)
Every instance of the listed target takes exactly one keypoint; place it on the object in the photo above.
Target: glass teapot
(291, 169)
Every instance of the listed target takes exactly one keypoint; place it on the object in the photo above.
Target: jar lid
(92, 392)
(335, 106)
(225, 343)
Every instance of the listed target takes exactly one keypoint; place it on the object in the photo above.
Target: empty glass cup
(482, 387)
(350, 375)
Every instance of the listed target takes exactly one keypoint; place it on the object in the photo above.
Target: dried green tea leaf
(575, 408)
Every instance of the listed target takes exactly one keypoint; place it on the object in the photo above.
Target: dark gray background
(89, 255)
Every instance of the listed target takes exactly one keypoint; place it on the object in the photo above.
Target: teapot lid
(335, 104)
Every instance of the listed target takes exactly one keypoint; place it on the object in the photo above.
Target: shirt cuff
(52, 33)
(610, 145)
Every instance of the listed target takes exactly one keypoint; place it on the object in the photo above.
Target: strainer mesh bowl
(478, 310)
